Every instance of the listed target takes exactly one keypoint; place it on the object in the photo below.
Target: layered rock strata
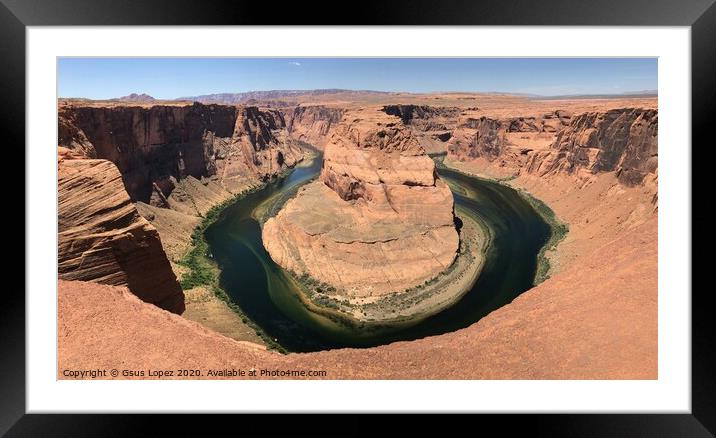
(103, 238)
(620, 140)
(312, 124)
(154, 147)
(598, 320)
(605, 294)
(432, 126)
(174, 163)
(599, 173)
(510, 139)
(378, 220)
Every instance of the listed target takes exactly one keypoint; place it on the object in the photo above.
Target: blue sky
(168, 78)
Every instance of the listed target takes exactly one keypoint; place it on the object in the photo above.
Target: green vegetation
(558, 231)
(507, 178)
(319, 292)
(203, 270)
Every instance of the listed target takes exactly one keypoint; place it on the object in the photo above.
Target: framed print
(454, 210)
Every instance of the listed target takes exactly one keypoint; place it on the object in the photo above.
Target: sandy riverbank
(596, 207)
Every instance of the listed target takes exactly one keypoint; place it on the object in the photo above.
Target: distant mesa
(622, 95)
(254, 96)
(134, 97)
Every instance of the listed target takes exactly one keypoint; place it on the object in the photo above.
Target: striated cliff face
(619, 140)
(623, 141)
(155, 146)
(490, 138)
(481, 137)
(605, 290)
(103, 238)
(378, 221)
(175, 162)
(431, 126)
(258, 147)
(150, 144)
(426, 118)
(312, 124)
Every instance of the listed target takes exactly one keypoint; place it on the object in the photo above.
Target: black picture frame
(700, 15)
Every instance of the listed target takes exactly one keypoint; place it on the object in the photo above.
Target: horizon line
(647, 92)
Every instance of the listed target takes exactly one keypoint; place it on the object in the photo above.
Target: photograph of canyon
(357, 218)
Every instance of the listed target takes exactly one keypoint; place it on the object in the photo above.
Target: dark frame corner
(16, 15)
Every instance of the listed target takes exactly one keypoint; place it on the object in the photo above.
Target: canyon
(130, 173)
(592, 161)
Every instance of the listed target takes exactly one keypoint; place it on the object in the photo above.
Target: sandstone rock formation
(175, 162)
(623, 141)
(378, 221)
(599, 172)
(312, 124)
(155, 146)
(605, 290)
(181, 157)
(582, 325)
(491, 138)
(103, 238)
(431, 125)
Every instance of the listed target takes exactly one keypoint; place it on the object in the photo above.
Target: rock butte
(593, 161)
(378, 220)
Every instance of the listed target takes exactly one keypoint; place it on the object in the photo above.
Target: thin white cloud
(297, 64)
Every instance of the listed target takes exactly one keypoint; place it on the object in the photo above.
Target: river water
(266, 295)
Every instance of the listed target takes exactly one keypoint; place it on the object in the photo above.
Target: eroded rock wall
(103, 238)
(312, 124)
(622, 141)
(176, 162)
(432, 126)
(153, 145)
(490, 138)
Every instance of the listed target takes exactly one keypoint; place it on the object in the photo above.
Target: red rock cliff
(489, 138)
(623, 140)
(151, 145)
(102, 238)
(312, 124)
(620, 140)
(432, 126)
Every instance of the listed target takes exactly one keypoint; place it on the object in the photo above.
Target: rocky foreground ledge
(580, 325)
